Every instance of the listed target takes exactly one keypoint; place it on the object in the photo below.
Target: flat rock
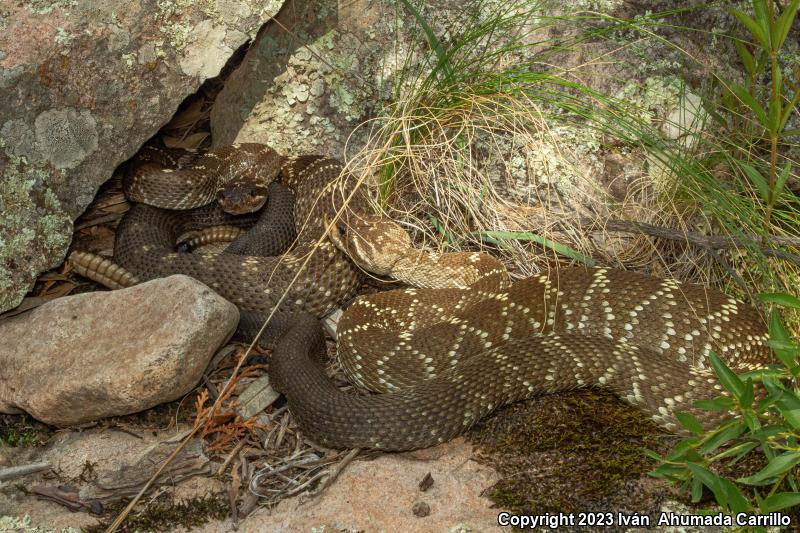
(100, 354)
(111, 74)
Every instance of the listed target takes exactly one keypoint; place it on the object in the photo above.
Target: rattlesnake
(444, 357)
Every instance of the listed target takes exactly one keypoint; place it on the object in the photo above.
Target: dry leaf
(190, 142)
(192, 114)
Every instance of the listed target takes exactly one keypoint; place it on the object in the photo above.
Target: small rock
(93, 355)
(426, 483)
(421, 509)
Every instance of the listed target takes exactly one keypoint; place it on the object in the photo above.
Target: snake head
(337, 233)
(240, 197)
(373, 242)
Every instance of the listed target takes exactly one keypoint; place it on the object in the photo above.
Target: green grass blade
(433, 41)
(780, 298)
(496, 236)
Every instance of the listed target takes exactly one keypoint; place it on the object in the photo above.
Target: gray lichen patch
(65, 137)
(34, 229)
(19, 138)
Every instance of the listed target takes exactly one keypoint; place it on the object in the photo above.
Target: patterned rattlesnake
(445, 357)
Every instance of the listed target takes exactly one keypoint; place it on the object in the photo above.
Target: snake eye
(183, 247)
(342, 227)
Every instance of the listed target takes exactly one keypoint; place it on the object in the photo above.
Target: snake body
(146, 237)
(442, 358)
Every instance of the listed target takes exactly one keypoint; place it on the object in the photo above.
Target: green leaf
(751, 420)
(766, 432)
(789, 400)
(777, 466)
(784, 24)
(791, 347)
(761, 373)
(774, 115)
(682, 449)
(746, 401)
(787, 111)
(778, 74)
(652, 455)
(757, 179)
(736, 501)
(717, 405)
(721, 437)
(690, 422)
(775, 389)
(746, 57)
(761, 13)
(729, 380)
(669, 471)
(706, 476)
(780, 298)
(697, 489)
(792, 416)
(498, 235)
(777, 332)
(780, 500)
(750, 102)
(725, 492)
(755, 28)
(739, 450)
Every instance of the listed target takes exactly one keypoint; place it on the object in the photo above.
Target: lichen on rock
(32, 217)
(65, 137)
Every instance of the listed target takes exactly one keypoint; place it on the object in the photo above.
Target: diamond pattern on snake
(441, 356)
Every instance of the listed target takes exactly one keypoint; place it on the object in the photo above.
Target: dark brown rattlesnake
(147, 235)
(445, 357)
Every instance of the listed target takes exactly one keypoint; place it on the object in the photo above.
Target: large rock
(297, 24)
(101, 354)
(82, 86)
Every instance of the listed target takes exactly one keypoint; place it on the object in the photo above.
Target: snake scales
(443, 357)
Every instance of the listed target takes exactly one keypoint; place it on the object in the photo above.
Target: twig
(231, 456)
(212, 390)
(711, 242)
(13, 472)
(336, 470)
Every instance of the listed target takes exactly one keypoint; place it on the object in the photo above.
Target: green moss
(22, 431)
(569, 452)
(165, 514)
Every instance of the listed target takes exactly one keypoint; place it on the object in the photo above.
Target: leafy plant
(769, 426)
(747, 192)
(768, 32)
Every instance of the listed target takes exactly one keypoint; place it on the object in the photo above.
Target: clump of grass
(476, 148)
